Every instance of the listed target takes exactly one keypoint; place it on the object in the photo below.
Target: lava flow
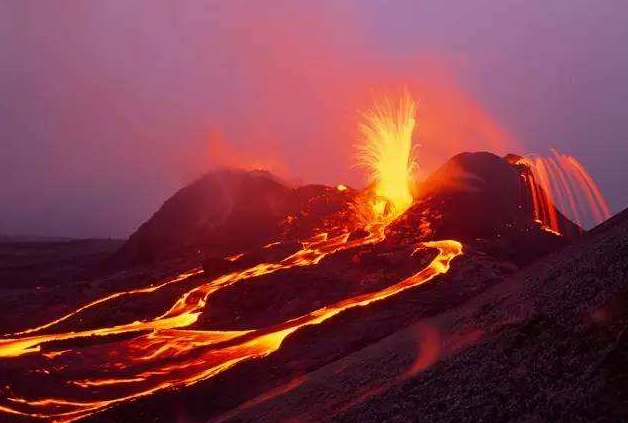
(161, 353)
(562, 182)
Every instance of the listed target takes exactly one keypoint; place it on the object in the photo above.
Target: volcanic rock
(215, 266)
(547, 344)
(480, 199)
(472, 197)
(230, 211)
(466, 329)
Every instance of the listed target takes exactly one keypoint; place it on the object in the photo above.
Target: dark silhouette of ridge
(472, 196)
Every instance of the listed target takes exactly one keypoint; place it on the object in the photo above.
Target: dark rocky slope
(476, 197)
(229, 211)
(472, 196)
(480, 199)
(548, 344)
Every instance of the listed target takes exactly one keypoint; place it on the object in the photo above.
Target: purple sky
(106, 108)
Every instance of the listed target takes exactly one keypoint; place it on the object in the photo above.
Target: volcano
(473, 196)
(228, 211)
(274, 290)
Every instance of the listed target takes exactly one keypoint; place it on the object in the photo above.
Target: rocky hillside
(367, 351)
(550, 343)
(226, 212)
(473, 196)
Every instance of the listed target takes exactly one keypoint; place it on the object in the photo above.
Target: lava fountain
(562, 182)
(168, 351)
(386, 151)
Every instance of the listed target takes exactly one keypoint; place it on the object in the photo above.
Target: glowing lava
(169, 356)
(164, 352)
(562, 182)
(386, 152)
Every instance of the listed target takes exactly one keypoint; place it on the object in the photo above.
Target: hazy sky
(108, 107)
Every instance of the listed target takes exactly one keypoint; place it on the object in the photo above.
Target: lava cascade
(562, 182)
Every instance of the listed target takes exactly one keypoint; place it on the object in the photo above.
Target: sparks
(385, 150)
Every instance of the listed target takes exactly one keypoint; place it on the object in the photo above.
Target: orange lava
(561, 182)
(165, 352)
(386, 151)
(169, 356)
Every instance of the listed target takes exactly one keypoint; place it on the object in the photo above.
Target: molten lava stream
(186, 309)
(161, 354)
(161, 343)
(148, 290)
(169, 357)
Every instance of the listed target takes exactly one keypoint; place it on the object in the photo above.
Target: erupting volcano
(280, 260)
(160, 354)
